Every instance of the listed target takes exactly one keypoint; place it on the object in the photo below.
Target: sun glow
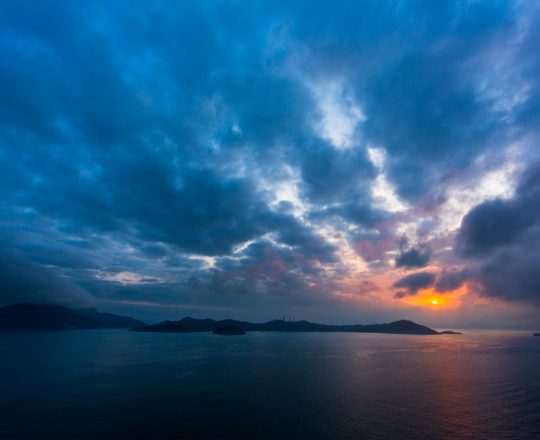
(431, 298)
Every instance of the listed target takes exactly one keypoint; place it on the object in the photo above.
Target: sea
(117, 384)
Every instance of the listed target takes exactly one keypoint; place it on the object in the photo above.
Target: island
(536, 334)
(190, 325)
(26, 317)
(229, 330)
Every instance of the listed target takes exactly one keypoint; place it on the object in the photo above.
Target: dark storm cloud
(24, 281)
(491, 225)
(154, 251)
(528, 114)
(414, 282)
(264, 260)
(139, 137)
(311, 245)
(149, 190)
(497, 223)
(512, 272)
(407, 65)
(63, 78)
(330, 175)
(450, 280)
(204, 212)
(502, 238)
(412, 258)
(196, 210)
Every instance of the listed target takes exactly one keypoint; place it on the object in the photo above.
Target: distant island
(24, 317)
(28, 317)
(189, 325)
(536, 334)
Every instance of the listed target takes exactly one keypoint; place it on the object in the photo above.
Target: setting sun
(435, 302)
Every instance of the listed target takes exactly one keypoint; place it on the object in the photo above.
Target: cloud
(501, 237)
(23, 281)
(400, 294)
(156, 140)
(490, 225)
(366, 287)
(498, 223)
(450, 280)
(412, 258)
(308, 243)
(512, 273)
(417, 94)
(413, 283)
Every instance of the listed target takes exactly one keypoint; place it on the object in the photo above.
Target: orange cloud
(431, 298)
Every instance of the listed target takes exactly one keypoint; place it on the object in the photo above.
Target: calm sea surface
(115, 384)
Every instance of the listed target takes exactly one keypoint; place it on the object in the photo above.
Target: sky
(342, 162)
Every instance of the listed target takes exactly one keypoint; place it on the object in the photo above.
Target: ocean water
(116, 384)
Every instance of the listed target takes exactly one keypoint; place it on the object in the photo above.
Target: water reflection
(117, 384)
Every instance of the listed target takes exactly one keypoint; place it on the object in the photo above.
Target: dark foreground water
(122, 385)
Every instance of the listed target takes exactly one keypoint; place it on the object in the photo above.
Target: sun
(435, 302)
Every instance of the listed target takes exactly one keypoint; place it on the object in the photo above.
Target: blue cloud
(412, 258)
(413, 283)
(185, 142)
(501, 238)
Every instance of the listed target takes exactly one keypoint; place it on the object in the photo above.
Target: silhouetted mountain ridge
(54, 317)
(110, 320)
(189, 324)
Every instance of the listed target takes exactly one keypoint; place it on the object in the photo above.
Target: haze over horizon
(339, 162)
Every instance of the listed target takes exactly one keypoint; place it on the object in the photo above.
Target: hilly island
(27, 317)
(189, 325)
